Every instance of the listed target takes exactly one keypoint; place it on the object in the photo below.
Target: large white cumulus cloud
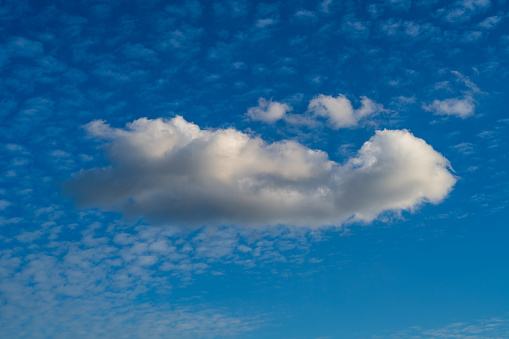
(173, 171)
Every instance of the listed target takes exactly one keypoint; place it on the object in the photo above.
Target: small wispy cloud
(479, 329)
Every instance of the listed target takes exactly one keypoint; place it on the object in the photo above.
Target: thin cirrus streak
(173, 171)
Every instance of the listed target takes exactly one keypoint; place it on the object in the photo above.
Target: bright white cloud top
(173, 171)
(339, 111)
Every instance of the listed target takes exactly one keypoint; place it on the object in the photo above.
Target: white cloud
(303, 14)
(3, 204)
(262, 23)
(464, 147)
(460, 107)
(467, 82)
(138, 51)
(324, 6)
(490, 22)
(28, 237)
(65, 288)
(479, 329)
(339, 111)
(409, 29)
(25, 48)
(60, 299)
(463, 10)
(268, 111)
(354, 29)
(399, 4)
(172, 171)
(14, 147)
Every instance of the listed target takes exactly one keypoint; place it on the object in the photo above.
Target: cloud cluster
(338, 111)
(462, 106)
(65, 288)
(173, 171)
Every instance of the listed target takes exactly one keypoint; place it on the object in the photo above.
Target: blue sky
(290, 169)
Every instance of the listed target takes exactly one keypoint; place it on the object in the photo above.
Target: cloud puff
(4, 204)
(491, 22)
(460, 107)
(25, 48)
(268, 111)
(173, 171)
(463, 10)
(339, 111)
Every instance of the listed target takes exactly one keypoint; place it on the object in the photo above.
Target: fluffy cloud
(173, 171)
(268, 111)
(460, 107)
(339, 111)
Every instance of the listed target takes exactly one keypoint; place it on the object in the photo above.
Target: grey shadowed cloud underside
(173, 171)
